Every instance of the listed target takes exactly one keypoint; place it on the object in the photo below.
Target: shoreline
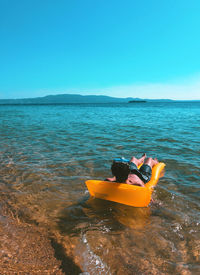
(28, 249)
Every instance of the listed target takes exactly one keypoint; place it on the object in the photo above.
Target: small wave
(91, 263)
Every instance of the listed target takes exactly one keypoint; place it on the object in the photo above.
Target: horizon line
(98, 95)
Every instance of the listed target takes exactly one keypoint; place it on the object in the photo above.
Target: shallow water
(47, 153)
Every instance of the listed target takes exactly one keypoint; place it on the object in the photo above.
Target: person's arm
(128, 181)
(111, 179)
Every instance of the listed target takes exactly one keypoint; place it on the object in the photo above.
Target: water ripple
(47, 152)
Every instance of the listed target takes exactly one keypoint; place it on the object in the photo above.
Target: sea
(47, 152)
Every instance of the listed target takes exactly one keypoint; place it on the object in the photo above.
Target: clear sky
(122, 48)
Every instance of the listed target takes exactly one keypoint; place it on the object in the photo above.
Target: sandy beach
(28, 249)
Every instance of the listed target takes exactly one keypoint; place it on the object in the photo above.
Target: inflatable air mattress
(124, 193)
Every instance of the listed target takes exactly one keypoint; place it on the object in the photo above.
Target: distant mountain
(68, 99)
(76, 98)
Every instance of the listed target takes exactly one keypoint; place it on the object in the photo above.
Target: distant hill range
(75, 98)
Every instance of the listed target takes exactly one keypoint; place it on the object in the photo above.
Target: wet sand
(28, 249)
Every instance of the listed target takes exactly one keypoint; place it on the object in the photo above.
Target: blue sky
(122, 48)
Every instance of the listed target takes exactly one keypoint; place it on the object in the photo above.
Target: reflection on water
(101, 215)
(47, 153)
(135, 218)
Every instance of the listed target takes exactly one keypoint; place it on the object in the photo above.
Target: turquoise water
(47, 153)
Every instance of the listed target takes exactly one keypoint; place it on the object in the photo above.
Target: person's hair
(120, 170)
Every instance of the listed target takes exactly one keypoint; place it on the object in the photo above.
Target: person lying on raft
(125, 171)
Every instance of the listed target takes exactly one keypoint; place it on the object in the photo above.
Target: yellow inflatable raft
(124, 193)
